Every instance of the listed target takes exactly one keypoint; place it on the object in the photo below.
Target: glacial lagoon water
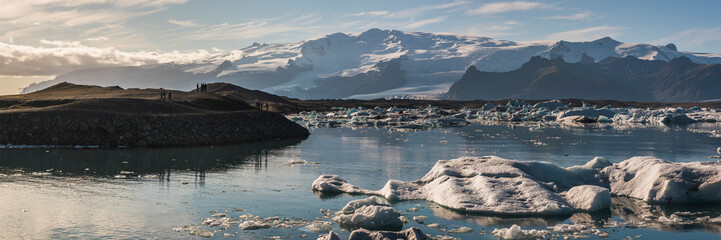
(146, 193)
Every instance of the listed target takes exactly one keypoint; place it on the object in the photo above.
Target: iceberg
(656, 180)
(370, 213)
(493, 185)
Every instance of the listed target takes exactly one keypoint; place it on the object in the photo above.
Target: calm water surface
(78, 193)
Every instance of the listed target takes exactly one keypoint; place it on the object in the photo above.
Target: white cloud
(501, 7)
(693, 38)
(591, 33)
(60, 43)
(61, 57)
(187, 23)
(369, 14)
(574, 17)
(100, 38)
(417, 24)
(417, 11)
(511, 23)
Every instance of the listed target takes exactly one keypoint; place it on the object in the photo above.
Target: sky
(40, 39)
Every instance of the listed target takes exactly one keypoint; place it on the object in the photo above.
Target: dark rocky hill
(625, 79)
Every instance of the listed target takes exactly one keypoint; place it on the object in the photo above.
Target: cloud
(693, 38)
(591, 33)
(368, 14)
(574, 17)
(511, 23)
(62, 57)
(60, 43)
(187, 23)
(501, 7)
(100, 38)
(424, 22)
(417, 11)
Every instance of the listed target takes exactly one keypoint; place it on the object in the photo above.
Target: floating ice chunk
(461, 230)
(488, 185)
(589, 198)
(594, 113)
(552, 105)
(597, 163)
(201, 233)
(656, 180)
(515, 232)
(352, 206)
(568, 228)
(408, 234)
(292, 162)
(320, 226)
(419, 218)
(371, 217)
(335, 184)
(330, 236)
(253, 225)
(488, 106)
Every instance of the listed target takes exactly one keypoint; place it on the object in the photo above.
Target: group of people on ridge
(201, 87)
(259, 105)
(164, 93)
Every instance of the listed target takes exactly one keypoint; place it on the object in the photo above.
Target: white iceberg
(408, 234)
(589, 197)
(370, 213)
(516, 233)
(656, 180)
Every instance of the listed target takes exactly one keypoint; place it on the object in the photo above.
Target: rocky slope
(70, 115)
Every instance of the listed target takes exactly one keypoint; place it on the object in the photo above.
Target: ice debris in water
(515, 232)
(370, 213)
(320, 226)
(549, 112)
(461, 230)
(364, 234)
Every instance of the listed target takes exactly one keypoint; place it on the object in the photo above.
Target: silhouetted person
(170, 95)
(197, 87)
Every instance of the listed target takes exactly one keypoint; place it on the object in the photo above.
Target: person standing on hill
(197, 87)
(170, 95)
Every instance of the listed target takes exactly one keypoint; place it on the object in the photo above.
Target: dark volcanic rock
(73, 127)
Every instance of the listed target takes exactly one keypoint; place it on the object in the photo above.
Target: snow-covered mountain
(372, 64)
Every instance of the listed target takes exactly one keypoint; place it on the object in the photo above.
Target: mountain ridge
(344, 65)
(626, 79)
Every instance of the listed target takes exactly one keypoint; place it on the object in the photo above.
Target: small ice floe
(202, 233)
(408, 234)
(433, 225)
(253, 225)
(370, 213)
(515, 232)
(461, 230)
(335, 184)
(297, 162)
(330, 236)
(419, 219)
(320, 226)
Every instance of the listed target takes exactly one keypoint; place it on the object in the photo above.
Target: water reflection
(140, 162)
